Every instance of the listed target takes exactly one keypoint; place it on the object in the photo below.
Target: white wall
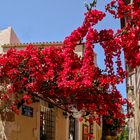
(8, 36)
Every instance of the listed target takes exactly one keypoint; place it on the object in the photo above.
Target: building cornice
(39, 44)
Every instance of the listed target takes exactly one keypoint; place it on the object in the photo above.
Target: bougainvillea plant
(59, 74)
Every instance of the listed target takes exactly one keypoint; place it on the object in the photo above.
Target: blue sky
(50, 20)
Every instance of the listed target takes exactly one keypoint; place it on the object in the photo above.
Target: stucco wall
(61, 125)
(24, 127)
(133, 94)
(8, 36)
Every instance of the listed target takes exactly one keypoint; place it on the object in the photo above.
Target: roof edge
(33, 43)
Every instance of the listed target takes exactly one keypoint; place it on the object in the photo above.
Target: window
(47, 125)
(91, 130)
(71, 128)
(85, 132)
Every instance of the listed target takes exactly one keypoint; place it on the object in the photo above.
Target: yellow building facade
(43, 120)
(26, 127)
